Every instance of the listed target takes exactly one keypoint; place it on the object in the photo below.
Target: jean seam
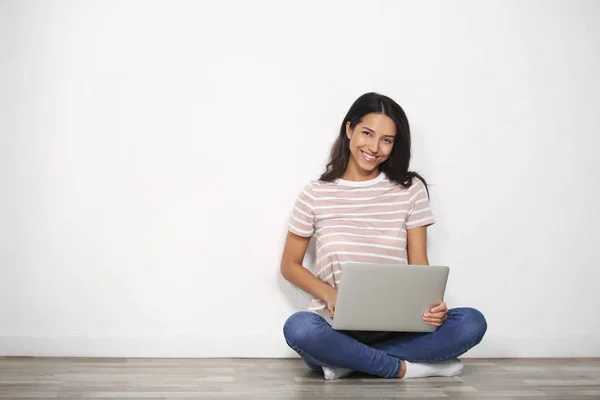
(397, 370)
(443, 358)
(307, 356)
(455, 354)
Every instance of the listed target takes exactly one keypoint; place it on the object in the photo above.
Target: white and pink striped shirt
(356, 221)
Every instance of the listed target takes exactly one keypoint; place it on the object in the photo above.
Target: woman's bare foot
(402, 369)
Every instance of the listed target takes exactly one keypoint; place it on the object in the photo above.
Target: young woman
(368, 207)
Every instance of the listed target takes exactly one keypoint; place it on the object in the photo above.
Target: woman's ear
(348, 130)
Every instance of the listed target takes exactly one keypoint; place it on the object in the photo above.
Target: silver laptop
(387, 297)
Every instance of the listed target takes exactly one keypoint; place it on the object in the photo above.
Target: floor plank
(164, 379)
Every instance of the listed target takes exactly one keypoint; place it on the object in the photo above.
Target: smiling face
(371, 143)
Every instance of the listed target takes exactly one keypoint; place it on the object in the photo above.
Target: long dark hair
(396, 166)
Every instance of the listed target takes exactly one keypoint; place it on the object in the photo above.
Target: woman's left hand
(437, 316)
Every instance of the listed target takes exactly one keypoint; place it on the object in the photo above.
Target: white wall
(151, 151)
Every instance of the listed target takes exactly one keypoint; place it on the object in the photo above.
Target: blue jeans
(379, 353)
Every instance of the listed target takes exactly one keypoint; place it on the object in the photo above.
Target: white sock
(442, 368)
(336, 373)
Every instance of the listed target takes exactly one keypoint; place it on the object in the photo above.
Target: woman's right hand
(330, 299)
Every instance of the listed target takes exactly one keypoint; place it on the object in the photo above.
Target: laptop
(387, 297)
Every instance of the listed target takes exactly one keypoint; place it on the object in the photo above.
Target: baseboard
(264, 346)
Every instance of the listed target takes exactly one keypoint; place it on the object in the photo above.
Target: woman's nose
(374, 147)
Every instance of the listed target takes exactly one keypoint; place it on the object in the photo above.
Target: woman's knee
(474, 324)
(302, 329)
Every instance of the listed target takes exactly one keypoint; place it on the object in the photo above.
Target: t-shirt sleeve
(302, 219)
(419, 212)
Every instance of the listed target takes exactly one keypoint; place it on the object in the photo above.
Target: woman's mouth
(367, 157)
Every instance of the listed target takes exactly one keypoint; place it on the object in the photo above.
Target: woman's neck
(352, 173)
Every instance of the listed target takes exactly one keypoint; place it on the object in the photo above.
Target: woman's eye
(366, 133)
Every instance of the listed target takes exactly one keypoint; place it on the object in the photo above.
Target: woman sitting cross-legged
(368, 207)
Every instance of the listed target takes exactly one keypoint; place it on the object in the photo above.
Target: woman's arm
(416, 246)
(293, 271)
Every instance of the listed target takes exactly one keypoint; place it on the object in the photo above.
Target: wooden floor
(83, 378)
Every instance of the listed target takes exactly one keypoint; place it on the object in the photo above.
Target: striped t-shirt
(358, 221)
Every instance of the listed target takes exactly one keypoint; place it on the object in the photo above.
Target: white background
(151, 152)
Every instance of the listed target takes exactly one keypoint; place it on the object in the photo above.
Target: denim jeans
(379, 353)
